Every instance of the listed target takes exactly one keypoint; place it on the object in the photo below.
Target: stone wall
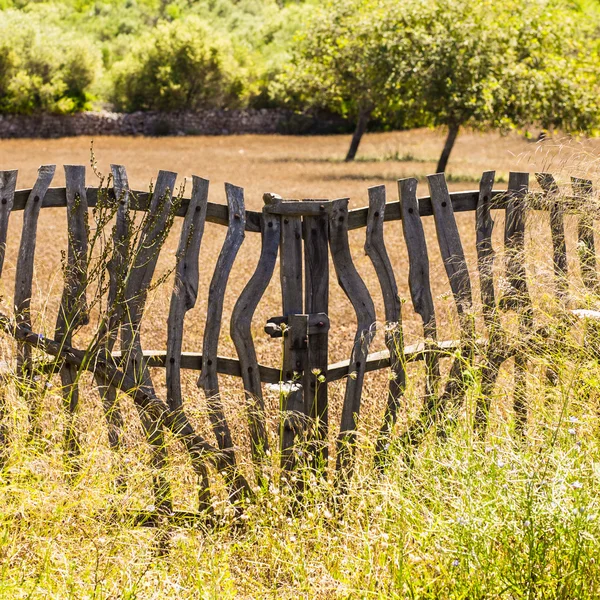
(208, 122)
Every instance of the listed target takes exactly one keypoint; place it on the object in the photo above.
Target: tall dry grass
(465, 518)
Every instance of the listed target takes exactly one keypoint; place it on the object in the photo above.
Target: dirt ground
(294, 167)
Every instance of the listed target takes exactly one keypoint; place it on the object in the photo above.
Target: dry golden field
(294, 167)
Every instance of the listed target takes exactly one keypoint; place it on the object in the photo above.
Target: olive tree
(348, 59)
(504, 65)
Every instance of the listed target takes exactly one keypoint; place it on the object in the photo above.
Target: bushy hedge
(179, 65)
(43, 68)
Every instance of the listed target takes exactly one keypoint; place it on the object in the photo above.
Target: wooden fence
(307, 235)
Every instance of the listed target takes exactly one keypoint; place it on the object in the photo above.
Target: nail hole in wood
(172, 360)
(410, 210)
(270, 223)
(209, 362)
(376, 213)
(36, 199)
(4, 200)
(444, 204)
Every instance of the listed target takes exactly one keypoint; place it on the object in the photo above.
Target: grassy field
(463, 519)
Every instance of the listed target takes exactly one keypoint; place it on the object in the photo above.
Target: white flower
(150, 508)
(284, 387)
(573, 420)
(572, 431)
(577, 485)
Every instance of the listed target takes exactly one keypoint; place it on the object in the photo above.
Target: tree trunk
(361, 126)
(452, 133)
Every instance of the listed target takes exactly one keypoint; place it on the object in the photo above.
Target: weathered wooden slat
(218, 213)
(484, 226)
(585, 233)
(73, 306)
(117, 271)
(152, 237)
(557, 230)
(418, 276)
(291, 265)
(358, 294)
(230, 366)
(377, 252)
(183, 299)
(449, 242)
(518, 297)
(299, 208)
(208, 379)
(25, 260)
(241, 333)
(292, 399)
(494, 355)
(185, 290)
(291, 302)
(514, 242)
(8, 183)
(316, 301)
(460, 282)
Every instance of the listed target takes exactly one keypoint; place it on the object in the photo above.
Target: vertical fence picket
(557, 230)
(183, 299)
(316, 300)
(292, 426)
(455, 264)
(495, 352)
(294, 417)
(208, 379)
(8, 183)
(394, 340)
(585, 234)
(358, 294)
(117, 271)
(518, 295)
(241, 334)
(25, 260)
(73, 311)
(422, 299)
(143, 266)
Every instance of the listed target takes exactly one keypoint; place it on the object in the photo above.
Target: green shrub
(43, 68)
(179, 65)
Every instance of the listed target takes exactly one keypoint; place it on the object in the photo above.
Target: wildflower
(455, 562)
(327, 514)
(150, 508)
(500, 463)
(573, 420)
(572, 431)
(353, 375)
(316, 372)
(527, 523)
(577, 485)
(284, 387)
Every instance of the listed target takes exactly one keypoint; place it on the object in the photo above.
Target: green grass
(460, 519)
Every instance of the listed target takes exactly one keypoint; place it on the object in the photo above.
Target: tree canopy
(453, 63)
